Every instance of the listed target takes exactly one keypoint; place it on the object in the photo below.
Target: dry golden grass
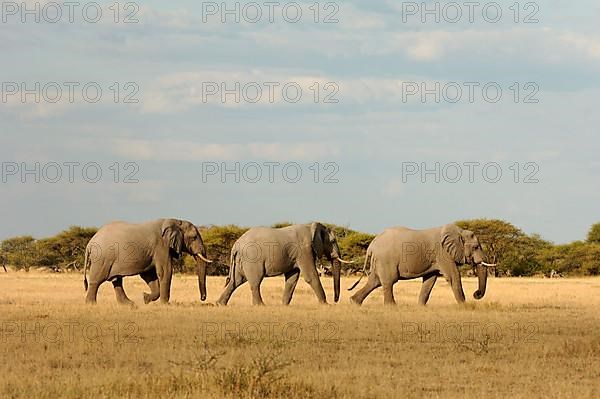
(526, 338)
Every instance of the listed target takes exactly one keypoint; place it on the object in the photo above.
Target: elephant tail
(368, 259)
(86, 263)
(231, 266)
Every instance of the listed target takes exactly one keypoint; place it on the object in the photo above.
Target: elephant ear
(317, 231)
(452, 242)
(173, 237)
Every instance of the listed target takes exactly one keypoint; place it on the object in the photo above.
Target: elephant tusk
(345, 261)
(203, 258)
(488, 264)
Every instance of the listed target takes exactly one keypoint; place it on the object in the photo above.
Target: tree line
(515, 252)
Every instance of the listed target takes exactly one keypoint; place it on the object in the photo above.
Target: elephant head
(182, 236)
(325, 244)
(464, 248)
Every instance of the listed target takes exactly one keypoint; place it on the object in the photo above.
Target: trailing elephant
(121, 249)
(400, 253)
(266, 252)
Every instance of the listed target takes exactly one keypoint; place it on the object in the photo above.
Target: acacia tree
(19, 252)
(594, 234)
(507, 246)
(66, 250)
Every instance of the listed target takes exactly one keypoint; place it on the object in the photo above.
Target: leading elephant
(265, 252)
(401, 253)
(121, 249)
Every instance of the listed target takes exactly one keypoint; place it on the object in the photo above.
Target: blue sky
(371, 133)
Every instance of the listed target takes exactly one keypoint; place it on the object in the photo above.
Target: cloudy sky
(392, 114)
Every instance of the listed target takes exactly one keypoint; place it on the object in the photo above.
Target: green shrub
(218, 241)
(594, 234)
(19, 252)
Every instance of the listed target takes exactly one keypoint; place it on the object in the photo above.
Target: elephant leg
(291, 279)
(235, 282)
(255, 288)
(388, 294)
(151, 279)
(428, 283)
(120, 292)
(457, 289)
(164, 271)
(313, 280)
(92, 293)
(372, 284)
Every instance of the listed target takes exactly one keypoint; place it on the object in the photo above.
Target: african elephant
(265, 252)
(400, 253)
(122, 249)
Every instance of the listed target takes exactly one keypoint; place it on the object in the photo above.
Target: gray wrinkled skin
(121, 249)
(265, 252)
(400, 253)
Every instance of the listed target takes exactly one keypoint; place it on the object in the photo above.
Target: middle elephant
(266, 252)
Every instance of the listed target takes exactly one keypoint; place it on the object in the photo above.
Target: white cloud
(426, 50)
(185, 90)
(179, 150)
(588, 45)
(236, 88)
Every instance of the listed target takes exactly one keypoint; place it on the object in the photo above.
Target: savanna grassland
(526, 338)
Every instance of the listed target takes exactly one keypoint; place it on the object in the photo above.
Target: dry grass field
(526, 338)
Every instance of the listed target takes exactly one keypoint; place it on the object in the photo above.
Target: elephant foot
(389, 301)
(149, 298)
(355, 301)
(126, 302)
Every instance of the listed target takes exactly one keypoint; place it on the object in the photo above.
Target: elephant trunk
(336, 266)
(482, 277)
(201, 269)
